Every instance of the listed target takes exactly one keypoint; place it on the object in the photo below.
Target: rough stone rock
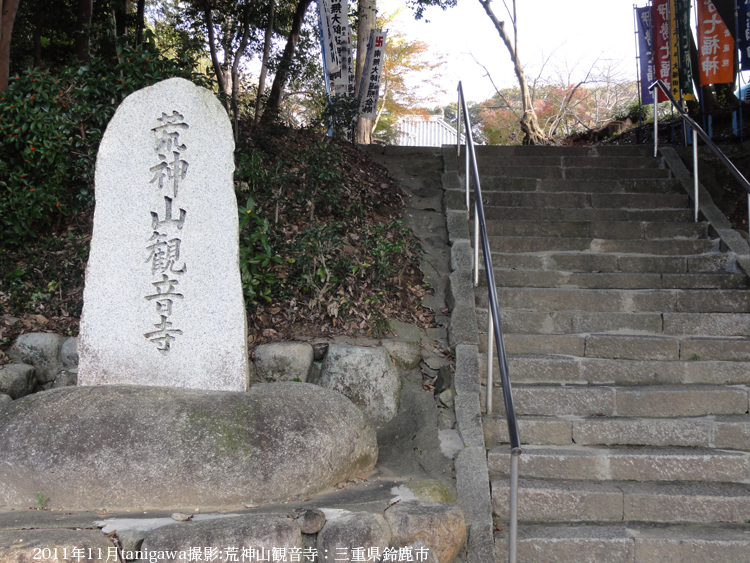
(422, 552)
(441, 526)
(431, 490)
(258, 531)
(405, 354)
(69, 353)
(117, 446)
(65, 379)
(26, 546)
(366, 376)
(320, 349)
(17, 380)
(359, 530)
(163, 302)
(283, 361)
(5, 400)
(446, 397)
(40, 350)
(406, 331)
(310, 520)
(444, 379)
(131, 540)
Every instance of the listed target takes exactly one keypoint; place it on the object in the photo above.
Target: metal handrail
(697, 132)
(494, 327)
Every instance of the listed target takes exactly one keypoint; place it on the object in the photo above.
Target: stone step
(643, 230)
(612, 186)
(723, 431)
(630, 542)
(631, 347)
(537, 369)
(619, 300)
(530, 213)
(651, 401)
(537, 150)
(615, 262)
(563, 202)
(576, 322)
(571, 173)
(575, 501)
(576, 200)
(614, 280)
(624, 463)
(487, 162)
(664, 247)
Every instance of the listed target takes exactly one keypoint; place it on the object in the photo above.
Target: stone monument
(163, 301)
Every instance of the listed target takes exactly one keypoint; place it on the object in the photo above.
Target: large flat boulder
(125, 445)
(227, 539)
(26, 546)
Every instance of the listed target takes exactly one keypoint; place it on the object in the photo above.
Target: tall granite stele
(163, 300)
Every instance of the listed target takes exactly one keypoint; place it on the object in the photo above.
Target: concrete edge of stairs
(472, 475)
(731, 238)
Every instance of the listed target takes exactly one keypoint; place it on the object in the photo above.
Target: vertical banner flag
(715, 46)
(370, 84)
(331, 59)
(340, 29)
(660, 22)
(646, 53)
(674, 53)
(682, 13)
(351, 80)
(744, 38)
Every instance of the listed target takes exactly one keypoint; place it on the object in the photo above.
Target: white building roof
(425, 131)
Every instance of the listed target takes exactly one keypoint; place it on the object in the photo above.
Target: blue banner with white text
(646, 52)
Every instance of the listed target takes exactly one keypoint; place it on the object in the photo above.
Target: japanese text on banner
(645, 53)
(662, 61)
(370, 85)
(715, 46)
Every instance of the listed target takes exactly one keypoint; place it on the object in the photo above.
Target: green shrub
(633, 111)
(51, 126)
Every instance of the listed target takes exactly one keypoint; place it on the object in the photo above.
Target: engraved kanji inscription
(164, 245)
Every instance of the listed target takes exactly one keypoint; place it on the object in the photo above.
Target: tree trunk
(533, 135)
(38, 28)
(212, 47)
(366, 10)
(245, 22)
(264, 63)
(279, 80)
(8, 9)
(121, 12)
(140, 22)
(83, 19)
(382, 108)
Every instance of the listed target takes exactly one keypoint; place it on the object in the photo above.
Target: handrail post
(748, 214)
(695, 171)
(494, 325)
(476, 242)
(458, 123)
(468, 183)
(515, 454)
(490, 336)
(655, 92)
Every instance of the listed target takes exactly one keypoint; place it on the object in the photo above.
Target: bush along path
(323, 245)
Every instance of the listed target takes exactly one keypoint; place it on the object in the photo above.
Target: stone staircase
(627, 328)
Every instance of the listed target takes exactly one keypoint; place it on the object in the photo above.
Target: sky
(574, 32)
